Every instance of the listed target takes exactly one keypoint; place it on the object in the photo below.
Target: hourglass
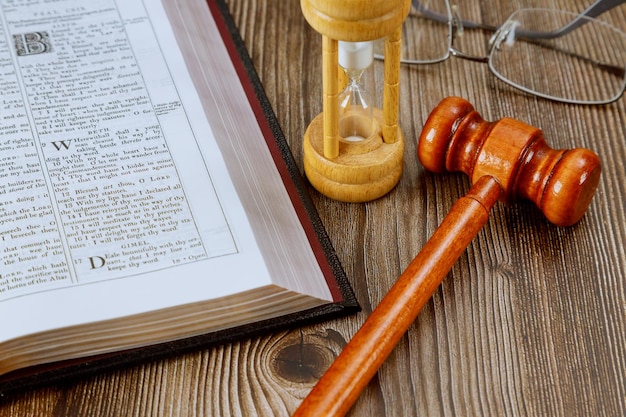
(356, 103)
(353, 151)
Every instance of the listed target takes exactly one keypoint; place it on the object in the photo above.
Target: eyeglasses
(554, 54)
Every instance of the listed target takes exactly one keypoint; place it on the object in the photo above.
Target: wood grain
(531, 321)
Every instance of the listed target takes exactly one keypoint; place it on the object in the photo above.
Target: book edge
(292, 179)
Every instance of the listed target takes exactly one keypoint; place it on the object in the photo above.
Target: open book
(148, 201)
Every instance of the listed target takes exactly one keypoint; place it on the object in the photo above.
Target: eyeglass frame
(456, 24)
(594, 10)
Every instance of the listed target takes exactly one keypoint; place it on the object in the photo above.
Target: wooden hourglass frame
(364, 170)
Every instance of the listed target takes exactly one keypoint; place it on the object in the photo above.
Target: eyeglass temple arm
(595, 10)
(438, 17)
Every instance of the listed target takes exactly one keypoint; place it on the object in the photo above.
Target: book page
(96, 173)
(111, 181)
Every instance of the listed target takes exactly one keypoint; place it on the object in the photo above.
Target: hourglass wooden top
(355, 20)
(560, 182)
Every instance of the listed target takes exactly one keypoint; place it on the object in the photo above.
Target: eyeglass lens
(585, 65)
(426, 40)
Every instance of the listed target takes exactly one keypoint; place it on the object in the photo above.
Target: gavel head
(560, 182)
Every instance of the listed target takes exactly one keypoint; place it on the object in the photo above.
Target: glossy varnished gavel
(506, 160)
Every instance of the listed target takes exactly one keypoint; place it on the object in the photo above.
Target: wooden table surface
(531, 321)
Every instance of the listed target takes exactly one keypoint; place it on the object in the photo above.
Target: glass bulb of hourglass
(356, 103)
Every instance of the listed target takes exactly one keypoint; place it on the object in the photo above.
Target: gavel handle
(349, 374)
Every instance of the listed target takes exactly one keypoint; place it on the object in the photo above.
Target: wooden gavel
(506, 160)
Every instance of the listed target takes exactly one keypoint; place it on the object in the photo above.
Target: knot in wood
(304, 360)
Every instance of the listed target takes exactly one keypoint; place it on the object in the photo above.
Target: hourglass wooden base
(363, 171)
